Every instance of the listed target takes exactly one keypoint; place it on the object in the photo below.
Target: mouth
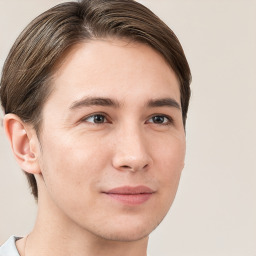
(131, 195)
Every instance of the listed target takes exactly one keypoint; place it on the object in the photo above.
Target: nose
(131, 151)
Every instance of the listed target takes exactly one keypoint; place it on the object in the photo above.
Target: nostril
(133, 168)
(126, 166)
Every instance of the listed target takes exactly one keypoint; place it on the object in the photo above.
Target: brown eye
(97, 119)
(160, 119)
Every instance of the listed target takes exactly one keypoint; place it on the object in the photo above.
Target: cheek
(70, 170)
(170, 162)
(73, 164)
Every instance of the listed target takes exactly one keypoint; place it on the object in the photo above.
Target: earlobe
(24, 143)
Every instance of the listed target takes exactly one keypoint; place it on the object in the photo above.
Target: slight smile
(131, 195)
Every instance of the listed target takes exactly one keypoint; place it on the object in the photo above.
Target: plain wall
(215, 209)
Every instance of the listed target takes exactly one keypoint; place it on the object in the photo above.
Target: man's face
(112, 140)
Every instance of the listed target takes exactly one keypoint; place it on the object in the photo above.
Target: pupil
(99, 119)
(158, 119)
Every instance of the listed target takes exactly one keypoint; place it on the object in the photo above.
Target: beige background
(215, 209)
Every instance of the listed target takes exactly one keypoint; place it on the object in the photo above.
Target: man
(96, 95)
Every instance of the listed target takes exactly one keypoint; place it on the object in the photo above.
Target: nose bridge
(131, 151)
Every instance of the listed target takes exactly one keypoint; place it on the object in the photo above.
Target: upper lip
(129, 190)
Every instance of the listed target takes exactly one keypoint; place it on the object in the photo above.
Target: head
(48, 52)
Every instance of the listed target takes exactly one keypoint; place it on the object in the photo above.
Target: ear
(24, 143)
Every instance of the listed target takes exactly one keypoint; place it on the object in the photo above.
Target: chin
(125, 235)
(128, 231)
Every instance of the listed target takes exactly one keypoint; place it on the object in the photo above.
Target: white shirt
(9, 247)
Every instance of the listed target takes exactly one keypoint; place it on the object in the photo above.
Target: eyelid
(108, 119)
(169, 118)
(95, 114)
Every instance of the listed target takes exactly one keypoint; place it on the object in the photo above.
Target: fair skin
(112, 120)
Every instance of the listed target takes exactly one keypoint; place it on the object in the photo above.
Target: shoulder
(9, 247)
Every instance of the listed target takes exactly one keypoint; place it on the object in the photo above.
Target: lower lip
(131, 199)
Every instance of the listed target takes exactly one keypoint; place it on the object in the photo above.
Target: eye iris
(98, 119)
(158, 119)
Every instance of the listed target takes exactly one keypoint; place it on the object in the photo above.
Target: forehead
(113, 68)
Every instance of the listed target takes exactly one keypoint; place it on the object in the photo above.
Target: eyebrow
(94, 101)
(101, 101)
(165, 102)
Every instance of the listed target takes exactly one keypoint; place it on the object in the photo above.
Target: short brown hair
(30, 64)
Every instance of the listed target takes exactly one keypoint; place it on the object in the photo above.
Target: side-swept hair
(27, 72)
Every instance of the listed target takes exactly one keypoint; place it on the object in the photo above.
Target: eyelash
(169, 119)
(85, 119)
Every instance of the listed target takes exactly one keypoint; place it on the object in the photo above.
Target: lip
(131, 195)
